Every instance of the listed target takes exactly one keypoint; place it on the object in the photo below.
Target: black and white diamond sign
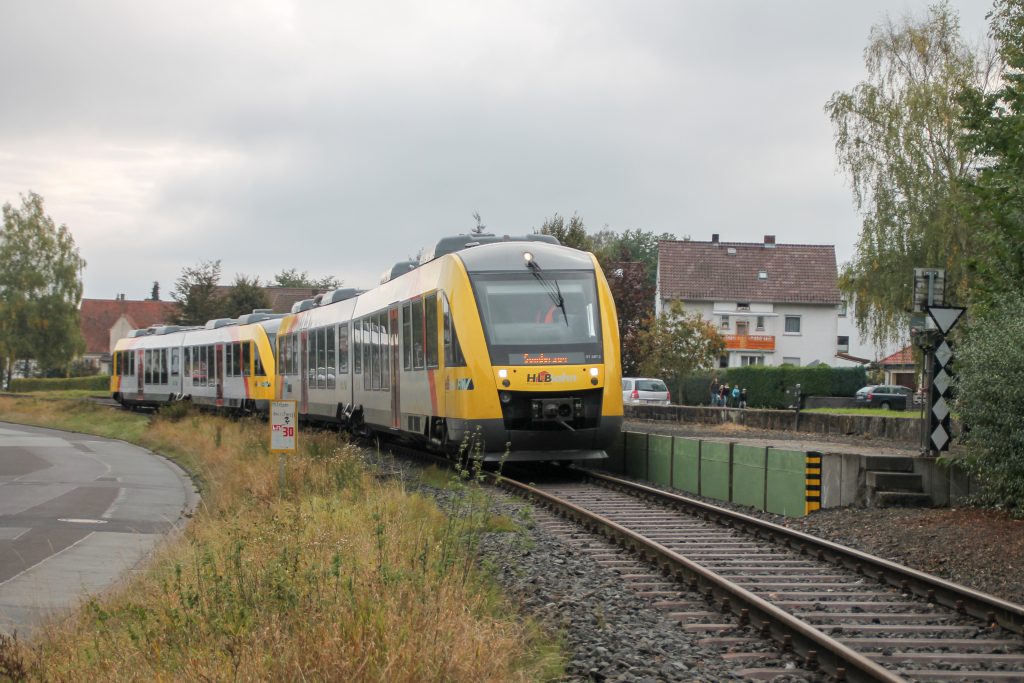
(942, 380)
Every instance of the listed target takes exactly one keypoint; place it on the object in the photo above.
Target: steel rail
(964, 600)
(817, 649)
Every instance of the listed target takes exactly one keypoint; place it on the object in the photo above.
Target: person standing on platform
(736, 396)
(714, 390)
(743, 397)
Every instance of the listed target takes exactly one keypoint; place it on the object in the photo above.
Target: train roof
(452, 244)
(505, 256)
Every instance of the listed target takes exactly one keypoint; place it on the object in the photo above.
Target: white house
(773, 303)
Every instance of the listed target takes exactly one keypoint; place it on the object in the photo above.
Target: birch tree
(40, 288)
(899, 138)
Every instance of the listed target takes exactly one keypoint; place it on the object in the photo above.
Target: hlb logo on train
(461, 384)
(543, 377)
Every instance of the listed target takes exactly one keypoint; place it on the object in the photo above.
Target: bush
(767, 386)
(94, 383)
(992, 356)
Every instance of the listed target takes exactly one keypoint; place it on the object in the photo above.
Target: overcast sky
(340, 137)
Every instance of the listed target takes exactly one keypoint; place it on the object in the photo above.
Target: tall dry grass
(340, 576)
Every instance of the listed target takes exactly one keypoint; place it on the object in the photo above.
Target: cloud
(341, 137)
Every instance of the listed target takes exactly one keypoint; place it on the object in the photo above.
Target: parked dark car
(885, 396)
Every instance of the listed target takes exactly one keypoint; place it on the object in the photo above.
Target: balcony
(749, 342)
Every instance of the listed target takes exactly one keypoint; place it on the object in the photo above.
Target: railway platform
(756, 467)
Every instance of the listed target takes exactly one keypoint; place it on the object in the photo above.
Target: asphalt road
(77, 513)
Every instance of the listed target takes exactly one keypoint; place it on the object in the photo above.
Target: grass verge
(339, 576)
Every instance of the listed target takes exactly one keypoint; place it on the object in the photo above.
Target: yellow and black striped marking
(813, 482)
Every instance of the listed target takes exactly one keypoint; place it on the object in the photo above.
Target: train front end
(547, 355)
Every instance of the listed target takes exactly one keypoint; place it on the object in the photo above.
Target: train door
(140, 357)
(394, 365)
(304, 371)
(218, 360)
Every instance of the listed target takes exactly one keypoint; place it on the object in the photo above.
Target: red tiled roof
(97, 316)
(279, 299)
(706, 271)
(904, 356)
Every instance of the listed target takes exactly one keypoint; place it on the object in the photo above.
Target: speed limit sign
(283, 426)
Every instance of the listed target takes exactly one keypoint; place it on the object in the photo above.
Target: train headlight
(528, 257)
(593, 372)
(503, 373)
(504, 397)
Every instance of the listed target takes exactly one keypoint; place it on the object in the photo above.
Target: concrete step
(888, 463)
(900, 499)
(895, 481)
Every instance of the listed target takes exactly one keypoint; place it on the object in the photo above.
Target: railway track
(845, 613)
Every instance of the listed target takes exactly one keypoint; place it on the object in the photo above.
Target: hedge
(93, 383)
(767, 386)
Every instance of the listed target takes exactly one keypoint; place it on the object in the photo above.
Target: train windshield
(545, 318)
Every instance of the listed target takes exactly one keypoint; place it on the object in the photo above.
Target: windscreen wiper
(554, 292)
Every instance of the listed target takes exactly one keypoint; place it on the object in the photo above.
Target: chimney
(769, 241)
(714, 238)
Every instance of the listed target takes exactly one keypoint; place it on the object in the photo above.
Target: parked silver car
(636, 390)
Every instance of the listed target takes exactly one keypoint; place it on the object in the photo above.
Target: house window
(723, 361)
(842, 344)
(751, 360)
(760, 323)
(792, 324)
(762, 275)
(725, 322)
(842, 309)
(742, 307)
(790, 360)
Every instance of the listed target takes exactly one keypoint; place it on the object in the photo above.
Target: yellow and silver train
(511, 345)
(228, 364)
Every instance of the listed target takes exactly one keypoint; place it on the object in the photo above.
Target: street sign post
(940, 431)
(283, 430)
(282, 426)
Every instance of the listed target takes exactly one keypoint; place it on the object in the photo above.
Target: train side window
(417, 334)
(343, 348)
(282, 354)
(453, 357)
(246, 359)
(357, 347)
(376, 346)
(175, 363)
(331, 339)
(430, 327)
(165, 366)
(236, 359)
(321, 358)
(204, 355)
(147, 363)
(407, 336)
(257, 362)
(385, 350)
(367, 354)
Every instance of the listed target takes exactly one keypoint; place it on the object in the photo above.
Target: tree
(195, 290)
(291, 277)
(480, 227)
(634, 304)
(679, 343)
(40, 288)
(154, 295)
(244, 296)
(898, 137)
(572, 234)
(995, 130)
(990, 362)
(632, 245)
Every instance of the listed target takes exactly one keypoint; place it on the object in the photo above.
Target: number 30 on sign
(282, 426)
